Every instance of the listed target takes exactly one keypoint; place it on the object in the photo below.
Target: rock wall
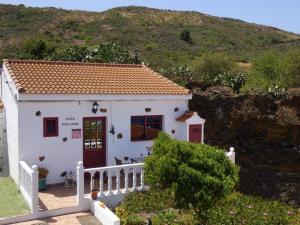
(264, 129)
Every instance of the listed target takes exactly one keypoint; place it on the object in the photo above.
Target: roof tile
(50, 77)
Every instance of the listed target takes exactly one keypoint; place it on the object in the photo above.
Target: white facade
(61, 156)
(25, 129)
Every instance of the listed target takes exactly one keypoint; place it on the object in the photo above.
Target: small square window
(51, 127)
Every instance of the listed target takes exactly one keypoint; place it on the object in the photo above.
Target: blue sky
(283, 14)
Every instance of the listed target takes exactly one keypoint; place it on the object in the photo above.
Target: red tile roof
(184, 117)
(50, 77)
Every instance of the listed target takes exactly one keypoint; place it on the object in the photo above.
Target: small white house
(59, 113)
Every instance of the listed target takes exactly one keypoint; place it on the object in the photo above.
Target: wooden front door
(195, 133)
(94, 142)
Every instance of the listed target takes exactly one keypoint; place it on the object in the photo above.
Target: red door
(94, 143)
(195, 133)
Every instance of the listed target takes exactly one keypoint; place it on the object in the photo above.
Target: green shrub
(274, 72)
(36, 49)
(290, 68)
(199, 175)
(234, 80)
(106, 53)
(210, 65)
(233, 209)
(181, 74)
(149, 201)
(242, 209)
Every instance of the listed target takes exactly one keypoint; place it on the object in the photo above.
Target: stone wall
(265, 131)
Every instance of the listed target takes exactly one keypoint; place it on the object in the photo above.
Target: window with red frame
(50, 127)
(145, 127)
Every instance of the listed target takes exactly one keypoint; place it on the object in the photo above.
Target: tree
(186, 36)
(209, 65)
(198, 174)
(104, 53)
(35, 48)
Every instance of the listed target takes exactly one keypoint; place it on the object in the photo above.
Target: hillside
(156, 33)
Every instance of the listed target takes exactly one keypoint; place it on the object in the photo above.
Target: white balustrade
(28, 184)
(114, 175)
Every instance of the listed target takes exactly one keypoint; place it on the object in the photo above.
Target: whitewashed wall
(61, 156)
(11, 112)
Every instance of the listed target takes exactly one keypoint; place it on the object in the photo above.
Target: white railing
(231, 155)
(117, 179)
(28, 184)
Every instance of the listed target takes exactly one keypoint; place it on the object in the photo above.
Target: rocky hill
(156, 33)
(265, 131)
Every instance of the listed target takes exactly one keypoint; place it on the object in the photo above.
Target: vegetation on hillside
(187, 47)
(164, 37)
(271, 72)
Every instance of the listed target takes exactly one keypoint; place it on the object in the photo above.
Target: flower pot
(42, 184)
(94, 194)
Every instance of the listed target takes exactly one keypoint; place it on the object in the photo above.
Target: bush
(199, 175)
(274, 72)
(234, 80)
(233, 209)
(210, 65)
(36, 49)
(242, 209)
(181, 74)
(290, 69)
(155, 203)
(104, 53)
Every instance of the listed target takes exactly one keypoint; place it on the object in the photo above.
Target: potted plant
(43, 173)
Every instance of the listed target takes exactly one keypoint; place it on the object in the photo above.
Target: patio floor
(57, 196)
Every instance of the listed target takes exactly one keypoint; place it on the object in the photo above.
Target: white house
(59, 113)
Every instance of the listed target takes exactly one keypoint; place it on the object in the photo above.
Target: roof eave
(99, 97)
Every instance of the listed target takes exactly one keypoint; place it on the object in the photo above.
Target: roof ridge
(76, 63)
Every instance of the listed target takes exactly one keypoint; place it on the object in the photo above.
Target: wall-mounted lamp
(95, 107)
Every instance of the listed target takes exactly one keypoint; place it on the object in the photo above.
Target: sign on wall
(70, 121)
(76, 133)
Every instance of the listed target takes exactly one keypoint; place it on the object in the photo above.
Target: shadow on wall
(4, 168)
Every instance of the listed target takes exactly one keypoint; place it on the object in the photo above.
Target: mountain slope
(154, 32)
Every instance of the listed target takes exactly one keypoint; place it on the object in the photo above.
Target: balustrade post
(92, 181)
(34, 189)
(126, 179)
(133, 179)
(232, 155)
(118, 182)
(109, 183)
(80, 184)
(101, 183)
